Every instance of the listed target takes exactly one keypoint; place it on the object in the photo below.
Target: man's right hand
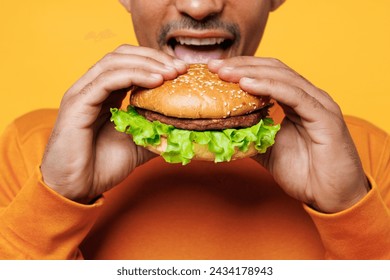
(85, 156)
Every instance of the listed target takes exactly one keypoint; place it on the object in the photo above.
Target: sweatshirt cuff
(42, 224)
(360, 232)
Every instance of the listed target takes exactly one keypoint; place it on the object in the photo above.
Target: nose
(200, 9)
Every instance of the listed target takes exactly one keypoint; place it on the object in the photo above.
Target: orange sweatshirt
(199, 211)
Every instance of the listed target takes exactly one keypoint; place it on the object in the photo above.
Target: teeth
(199, 41)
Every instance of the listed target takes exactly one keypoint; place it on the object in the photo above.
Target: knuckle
(102, 80)
(123, 47)
(242, 59)
(235, 61)
(276, 62)
(101, 65)
(108, 57)
(302, 95)
(271, 83)
(335, 108)
(288, 72)
(330, 104)
(95, 67)
(67, 101)
(308, 99)
(315, 103)
(149, 60)
(106, 62)
(87, 89)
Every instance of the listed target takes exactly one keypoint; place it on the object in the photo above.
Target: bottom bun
(202, 152)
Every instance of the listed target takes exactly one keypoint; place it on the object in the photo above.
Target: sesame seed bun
(198, 94)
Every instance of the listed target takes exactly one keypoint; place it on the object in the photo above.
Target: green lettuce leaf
(180, 148)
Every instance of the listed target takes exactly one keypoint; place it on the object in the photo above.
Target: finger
(305, 105)
(98, 90)
(133, 57)
(253, 67)
(158, 55)
(116, 61)
(274, 70)
(215, 65)
(88, 102)
(284, 75)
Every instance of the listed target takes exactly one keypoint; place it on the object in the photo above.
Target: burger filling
(180, 142)
(207, 124)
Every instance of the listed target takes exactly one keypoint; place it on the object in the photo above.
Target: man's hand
(85, 156)
(314, 158)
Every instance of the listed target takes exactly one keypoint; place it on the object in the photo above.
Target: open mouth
(200, 50)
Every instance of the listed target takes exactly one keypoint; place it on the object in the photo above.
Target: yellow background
(341, 46)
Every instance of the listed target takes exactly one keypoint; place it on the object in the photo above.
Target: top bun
(197, 94)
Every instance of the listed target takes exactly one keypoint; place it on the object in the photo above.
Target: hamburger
(197, 116)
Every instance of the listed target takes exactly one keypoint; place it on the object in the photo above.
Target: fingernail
(179, 63)
(169, 68)
(247, 81)
(227, 69)
(155, 76)
(215, 62)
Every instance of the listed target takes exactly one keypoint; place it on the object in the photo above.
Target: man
(73, 187)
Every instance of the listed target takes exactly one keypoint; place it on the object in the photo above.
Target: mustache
(187, 22)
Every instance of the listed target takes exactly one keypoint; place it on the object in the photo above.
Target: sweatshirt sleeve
(362, 231)
(40, 224)
(35, 221)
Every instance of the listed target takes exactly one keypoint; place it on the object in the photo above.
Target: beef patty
(207, 124)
